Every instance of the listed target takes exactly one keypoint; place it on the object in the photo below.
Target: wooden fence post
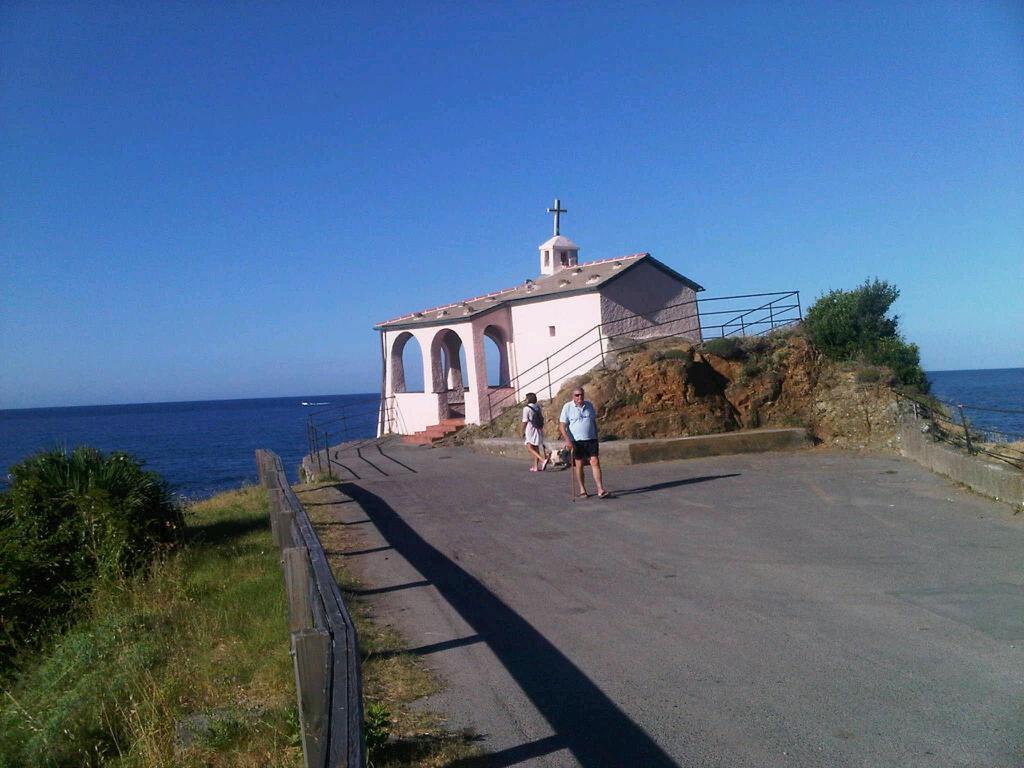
(286, 529)
(295, 561)
(311, 649)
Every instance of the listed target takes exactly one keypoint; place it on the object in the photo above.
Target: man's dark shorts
(585, 449)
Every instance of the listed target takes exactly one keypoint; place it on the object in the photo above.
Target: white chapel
(552, 327)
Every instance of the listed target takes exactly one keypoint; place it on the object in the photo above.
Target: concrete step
(435, 432)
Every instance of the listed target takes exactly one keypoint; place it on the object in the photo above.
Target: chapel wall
(572, 317)
(634, 306)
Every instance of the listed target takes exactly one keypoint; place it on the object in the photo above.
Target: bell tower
(559, 252)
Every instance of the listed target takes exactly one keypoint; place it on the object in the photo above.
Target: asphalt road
(796, 609)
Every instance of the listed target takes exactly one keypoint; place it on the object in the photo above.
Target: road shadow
(673, 484)
(583, 718)
(222, 531)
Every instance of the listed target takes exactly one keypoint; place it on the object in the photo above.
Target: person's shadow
(673, 484)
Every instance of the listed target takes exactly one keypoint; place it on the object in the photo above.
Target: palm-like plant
(67, 520)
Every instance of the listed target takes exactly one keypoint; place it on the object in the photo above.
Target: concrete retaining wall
(999, 481)
(623, 452)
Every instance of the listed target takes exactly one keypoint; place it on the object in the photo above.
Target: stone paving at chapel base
(808, 608)
(619, 453)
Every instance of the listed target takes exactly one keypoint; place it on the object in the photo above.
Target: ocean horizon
(202, 447)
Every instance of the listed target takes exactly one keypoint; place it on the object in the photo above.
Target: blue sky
(219, 200)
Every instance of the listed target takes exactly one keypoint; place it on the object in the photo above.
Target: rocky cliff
(671, 388)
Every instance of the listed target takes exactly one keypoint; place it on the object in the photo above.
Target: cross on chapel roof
(557, 210)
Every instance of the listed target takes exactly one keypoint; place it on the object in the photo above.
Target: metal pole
(600, 341)
(799, 310)
(316, 445)
(547, 361)
(327, 450)
(967, 432)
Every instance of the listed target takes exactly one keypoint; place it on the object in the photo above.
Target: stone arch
(401, 353)
(446, 361)
(496, 356)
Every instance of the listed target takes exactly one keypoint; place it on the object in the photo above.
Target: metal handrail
(517, 383)
(967, 438)
(319, 438)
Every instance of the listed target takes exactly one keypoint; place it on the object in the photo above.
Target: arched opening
(496, 356)
(406, 364)
(448, 364)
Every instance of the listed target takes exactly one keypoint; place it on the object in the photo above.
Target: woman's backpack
(536, 416)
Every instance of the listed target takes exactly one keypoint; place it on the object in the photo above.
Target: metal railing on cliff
(347, 421)
(775, 310)
(947, 422)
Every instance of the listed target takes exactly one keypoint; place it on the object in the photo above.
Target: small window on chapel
(547, 258)
(565, 259)
(551, 330)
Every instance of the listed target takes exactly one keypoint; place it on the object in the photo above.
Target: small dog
(559, 458)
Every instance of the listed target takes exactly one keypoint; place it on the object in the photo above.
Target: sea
(998, 388)
(201, 447)
(204, 447)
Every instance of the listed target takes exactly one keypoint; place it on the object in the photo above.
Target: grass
(186, 666)
(399, 734)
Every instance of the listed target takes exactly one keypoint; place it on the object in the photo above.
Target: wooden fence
(323, 638)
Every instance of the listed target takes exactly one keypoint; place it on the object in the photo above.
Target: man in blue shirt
(578, 425)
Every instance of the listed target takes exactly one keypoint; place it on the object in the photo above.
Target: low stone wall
(623, 452)
(991, 478)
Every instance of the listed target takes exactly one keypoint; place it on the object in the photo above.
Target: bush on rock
(853, 325)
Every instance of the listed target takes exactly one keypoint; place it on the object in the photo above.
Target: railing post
(309, 435)
(295, 562)
(967, 431)
(276, 496)
(311, 649)
(327, 451)
(547, 361)
(799, 310)
(600, 341)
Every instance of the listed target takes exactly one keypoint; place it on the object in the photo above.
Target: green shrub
(868, 375)
(751, 370)
(903, 358)
(727, 347)
(852, 325)
(376, 728)
(67, 522)
(676, 354)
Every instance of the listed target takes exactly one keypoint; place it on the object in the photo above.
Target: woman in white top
(533, 433)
